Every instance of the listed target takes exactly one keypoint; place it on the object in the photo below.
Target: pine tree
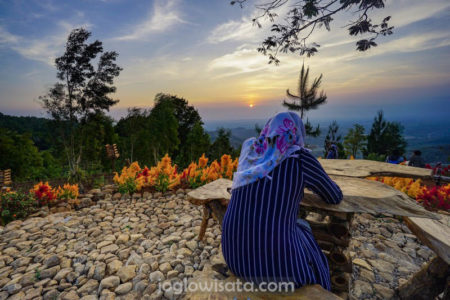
(306, 99)
(385, 137)
(307, 96)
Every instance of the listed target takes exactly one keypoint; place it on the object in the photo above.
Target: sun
(251, 105)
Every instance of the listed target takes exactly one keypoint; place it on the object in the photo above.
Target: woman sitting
(262, 240)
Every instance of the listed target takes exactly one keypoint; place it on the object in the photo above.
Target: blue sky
(205, 51)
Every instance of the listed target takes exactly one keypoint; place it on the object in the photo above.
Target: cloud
(7, 37)
(164, 16)
(41, 49)
(233, 30)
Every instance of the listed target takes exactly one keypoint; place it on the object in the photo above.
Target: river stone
(156, 276)
(126, 273)
(123, 288)
(362, 288)
(52, 261)
(110, 282)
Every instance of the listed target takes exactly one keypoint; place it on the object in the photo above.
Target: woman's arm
(318, 181)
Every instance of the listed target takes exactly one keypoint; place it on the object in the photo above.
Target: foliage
(333, 137)
(15, 205)
(133, 131)
(37, 128)
(18, 153)
(307, 96)
(355, 140)
(197, 142)
(221, 144)
(187, 117)
(385, 137)
(303, 17)
(163, 128)
(376, 157)
(83, 91)
(432, 198)
(310, 130)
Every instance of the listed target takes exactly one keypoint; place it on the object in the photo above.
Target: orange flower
(202, 161)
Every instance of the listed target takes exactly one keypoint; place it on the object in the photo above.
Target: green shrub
(15, 205)
(128, 187)
(162, 183)
(377, 157)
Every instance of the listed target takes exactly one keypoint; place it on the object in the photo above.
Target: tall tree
(307, 97)
(187, 116)
(221, 145)
(83, 89)
(304, 17)
(355, 140)
(133, 130)
(163, 129)
(385, 137)
(197, 142)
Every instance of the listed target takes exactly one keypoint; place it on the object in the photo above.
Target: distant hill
(37, 127)
(432, 138)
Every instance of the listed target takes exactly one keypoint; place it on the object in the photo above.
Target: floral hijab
(281, 136)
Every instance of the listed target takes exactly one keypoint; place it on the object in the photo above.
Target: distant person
(395, 157)
(262, 239)
(416, 160)
(333, 152)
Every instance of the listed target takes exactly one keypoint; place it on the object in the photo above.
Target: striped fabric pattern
(261, 240)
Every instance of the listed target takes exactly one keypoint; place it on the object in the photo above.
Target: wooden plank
(368, 196)
(364, 168)
(360, 195)
(218, 189)
(433, 233)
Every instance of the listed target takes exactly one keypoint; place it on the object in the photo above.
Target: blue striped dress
(261, 239)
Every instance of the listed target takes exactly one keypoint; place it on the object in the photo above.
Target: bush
(15, 205)
(376, 157)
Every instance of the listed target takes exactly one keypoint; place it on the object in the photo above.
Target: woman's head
(282, 131)
(281, 136)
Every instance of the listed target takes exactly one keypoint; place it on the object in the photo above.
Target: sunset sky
(205, 51)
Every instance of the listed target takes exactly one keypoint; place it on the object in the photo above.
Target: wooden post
(428, 283)
(206, 215)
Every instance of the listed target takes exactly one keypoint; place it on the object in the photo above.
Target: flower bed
(431, 197)
(17, 205)
(165, 176)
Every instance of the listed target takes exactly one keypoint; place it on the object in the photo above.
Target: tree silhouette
(304, 17)
(307, 96)
(306, 99)
(385, 137)
(82, 91)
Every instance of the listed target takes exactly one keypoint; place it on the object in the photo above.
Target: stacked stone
(332, 232)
